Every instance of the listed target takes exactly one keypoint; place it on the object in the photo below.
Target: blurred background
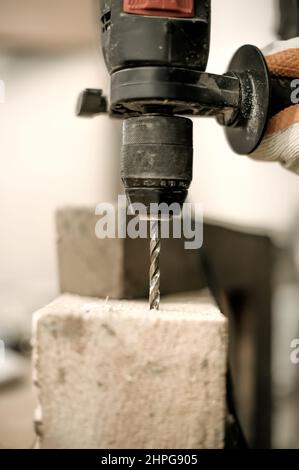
(49, 52)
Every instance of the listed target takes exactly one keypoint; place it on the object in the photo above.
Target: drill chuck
(157, 159)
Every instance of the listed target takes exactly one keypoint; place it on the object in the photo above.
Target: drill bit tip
(155, 248)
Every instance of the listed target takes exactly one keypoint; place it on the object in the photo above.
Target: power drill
(156, 52)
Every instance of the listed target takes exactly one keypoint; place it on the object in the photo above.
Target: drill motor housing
(134, 40)
(156, 52)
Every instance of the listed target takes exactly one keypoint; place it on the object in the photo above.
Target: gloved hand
(281, 141)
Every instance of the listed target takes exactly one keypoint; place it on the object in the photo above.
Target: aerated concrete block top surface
(112, 374)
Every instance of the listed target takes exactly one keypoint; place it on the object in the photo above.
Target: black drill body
(156, 52)
(142, 54)
(138, 40)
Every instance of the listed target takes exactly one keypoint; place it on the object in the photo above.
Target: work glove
(281, 140)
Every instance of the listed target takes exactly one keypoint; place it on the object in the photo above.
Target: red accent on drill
(175, 8)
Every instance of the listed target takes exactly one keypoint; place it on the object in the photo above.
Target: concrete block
(112, 374)
(117, 268)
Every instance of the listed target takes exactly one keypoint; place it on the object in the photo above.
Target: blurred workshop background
(49, 52)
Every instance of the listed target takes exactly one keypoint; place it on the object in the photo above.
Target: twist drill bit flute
(155, 248)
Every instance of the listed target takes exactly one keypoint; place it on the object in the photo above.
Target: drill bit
(155, 247)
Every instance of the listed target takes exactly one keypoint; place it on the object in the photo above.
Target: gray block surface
(111, 374)
(117, 268)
